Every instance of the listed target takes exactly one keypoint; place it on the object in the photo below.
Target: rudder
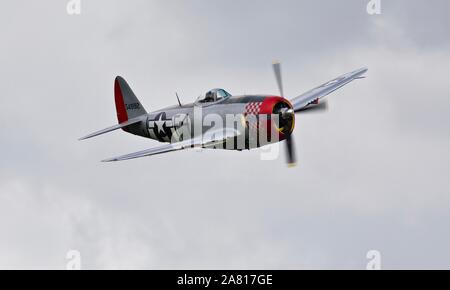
(127, 104)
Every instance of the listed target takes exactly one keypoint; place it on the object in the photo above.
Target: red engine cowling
(278, 106)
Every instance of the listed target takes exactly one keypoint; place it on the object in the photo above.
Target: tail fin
(130, 113)
(127, 105)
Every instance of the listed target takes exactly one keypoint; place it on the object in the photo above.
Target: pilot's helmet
(209, 95)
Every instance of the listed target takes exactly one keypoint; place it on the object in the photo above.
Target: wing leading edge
(322, 91)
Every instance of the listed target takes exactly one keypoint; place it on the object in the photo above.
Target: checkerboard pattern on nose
(252, 108)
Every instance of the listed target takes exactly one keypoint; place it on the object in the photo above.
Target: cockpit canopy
(214, 96)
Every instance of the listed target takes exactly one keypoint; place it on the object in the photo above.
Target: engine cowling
(278, 106)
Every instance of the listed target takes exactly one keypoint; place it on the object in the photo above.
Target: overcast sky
(372, 174)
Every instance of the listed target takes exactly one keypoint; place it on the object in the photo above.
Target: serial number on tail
(133, 106)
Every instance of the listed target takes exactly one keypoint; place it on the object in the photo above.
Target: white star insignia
(160, 124)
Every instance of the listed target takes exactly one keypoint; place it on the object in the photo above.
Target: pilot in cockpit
(214, 96)
(210, 97)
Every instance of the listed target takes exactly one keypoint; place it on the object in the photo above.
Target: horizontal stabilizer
(115, 127)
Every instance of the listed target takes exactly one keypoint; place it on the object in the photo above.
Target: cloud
(371, 174)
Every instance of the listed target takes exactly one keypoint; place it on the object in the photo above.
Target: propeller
(290, 151)
(285, 115)
(319, 108)
(277, 70)
(322, 107)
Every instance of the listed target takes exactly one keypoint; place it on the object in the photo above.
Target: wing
(208, 140)
(322, 91)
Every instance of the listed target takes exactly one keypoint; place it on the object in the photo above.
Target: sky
(372, 172)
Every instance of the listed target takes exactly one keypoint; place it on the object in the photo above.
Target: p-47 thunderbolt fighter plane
(182, 126)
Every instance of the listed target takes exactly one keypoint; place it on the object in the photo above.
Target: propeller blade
(320, 108)
(277, 71)
(285, 114)
(290, 151)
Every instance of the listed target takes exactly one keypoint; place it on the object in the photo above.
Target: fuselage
(250, 114)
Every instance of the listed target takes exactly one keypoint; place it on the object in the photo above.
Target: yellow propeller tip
(291, 165)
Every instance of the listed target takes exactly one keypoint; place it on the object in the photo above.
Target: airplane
(177, 125)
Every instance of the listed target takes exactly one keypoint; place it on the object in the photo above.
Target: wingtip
(361, 71)
(88, 136)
